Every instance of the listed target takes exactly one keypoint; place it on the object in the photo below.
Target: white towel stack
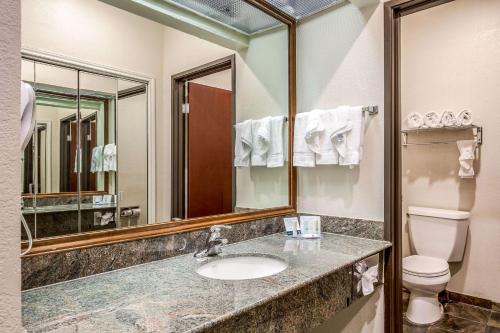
(260, 142)
(329, 137)
(433, 119)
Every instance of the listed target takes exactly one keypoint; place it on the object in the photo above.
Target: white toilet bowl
(425, 277)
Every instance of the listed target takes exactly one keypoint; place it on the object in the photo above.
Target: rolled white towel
(448, 119)
(415, 120)
(464, 118)
(432, 120)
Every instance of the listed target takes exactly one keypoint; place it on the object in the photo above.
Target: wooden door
(210, 167)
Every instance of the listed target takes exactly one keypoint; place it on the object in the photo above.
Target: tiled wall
(39, 270)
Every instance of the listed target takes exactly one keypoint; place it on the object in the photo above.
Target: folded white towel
(342, 125)
(432, 120)
(467, 150)
(414, 120)
(448, 119)
(354, 138)
(96, 163)
(315, 129)
(276, 153)
(464, 118)
(109, 157)
(303, 156)
(243, 143)
(261, 141)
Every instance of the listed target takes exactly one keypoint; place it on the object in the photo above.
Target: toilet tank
(438, 233)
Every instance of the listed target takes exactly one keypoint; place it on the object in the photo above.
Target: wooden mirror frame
(112, 236)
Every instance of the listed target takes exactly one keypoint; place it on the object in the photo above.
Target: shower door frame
(393, 228)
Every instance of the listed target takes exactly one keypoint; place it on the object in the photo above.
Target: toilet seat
(423, 266)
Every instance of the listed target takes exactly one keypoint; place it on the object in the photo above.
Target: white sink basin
(243, 267)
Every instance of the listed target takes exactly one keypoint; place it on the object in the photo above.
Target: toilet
(438, 236)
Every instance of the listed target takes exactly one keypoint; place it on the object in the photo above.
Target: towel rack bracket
(372, 110)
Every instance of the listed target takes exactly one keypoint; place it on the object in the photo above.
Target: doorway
(203, 116)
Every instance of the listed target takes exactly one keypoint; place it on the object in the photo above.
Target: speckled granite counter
(169, 296)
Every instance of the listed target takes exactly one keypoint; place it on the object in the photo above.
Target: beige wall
(451, 61)
(341, 61)
(10, 177)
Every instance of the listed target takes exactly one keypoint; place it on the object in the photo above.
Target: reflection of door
(210, 178)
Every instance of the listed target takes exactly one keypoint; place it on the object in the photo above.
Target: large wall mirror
(154, 116)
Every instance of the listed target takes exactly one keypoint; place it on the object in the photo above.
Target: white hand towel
(448, 119)
(432, 120)
(276, 153)
(354, 138)
(303, 156)
(415, 120)
(109, 157)
(341, 126)
(27, 114)
(467, 150)
(261, 141)
(243, 144)
(464, 118)
(97, 159)
(314, 130)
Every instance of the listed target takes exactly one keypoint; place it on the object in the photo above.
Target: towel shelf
(477, 131)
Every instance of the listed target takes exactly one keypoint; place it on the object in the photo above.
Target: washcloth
(467, 150)
(75, 169)
(432, 120)
(261, 141)
(243, 144)
(303, 156)
(415, 120)
(354, 138)
(464, 118)
(109, 157)
(276, 153)
(448, 119)
(96, 163)
(27, 113)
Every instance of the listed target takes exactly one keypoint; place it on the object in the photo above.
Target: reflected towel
(432, 120)
(96, 163)
(109, 157)
(243, 144)
(467, 150)
(415, 120)
(303, 156)
(276, 153)
(448, 119)
(464, 118)
(261, 141)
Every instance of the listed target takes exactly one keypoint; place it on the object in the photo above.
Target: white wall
(340, 61)
(10, 177)
(451, 61)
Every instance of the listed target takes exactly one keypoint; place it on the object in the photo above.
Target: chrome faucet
(213, 243)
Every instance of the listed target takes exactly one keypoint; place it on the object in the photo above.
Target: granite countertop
(169, 296)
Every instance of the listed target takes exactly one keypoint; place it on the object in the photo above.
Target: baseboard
(451, 296)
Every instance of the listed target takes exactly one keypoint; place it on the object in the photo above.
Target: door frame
(179, 161)
(393, 275)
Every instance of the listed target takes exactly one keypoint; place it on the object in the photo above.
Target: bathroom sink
(242, 267)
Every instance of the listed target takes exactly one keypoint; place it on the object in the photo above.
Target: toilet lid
(425, 266)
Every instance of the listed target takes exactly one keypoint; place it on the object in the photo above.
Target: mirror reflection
(141, 121)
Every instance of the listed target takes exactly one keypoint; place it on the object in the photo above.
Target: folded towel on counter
(96, 162)
(109, 157)
(448, 119)
(467, 149)
(243, 143)
(432, 120)
(354, 138)
(261, 141)
(464, 118)
(276, 153)
(415, 120)
(303, 156)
